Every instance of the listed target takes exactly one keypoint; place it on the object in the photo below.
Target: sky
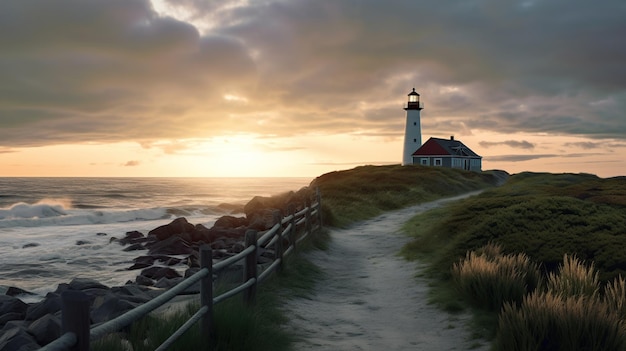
(298, 88)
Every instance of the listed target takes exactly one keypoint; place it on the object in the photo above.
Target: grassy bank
(543, 217)
(367, 191)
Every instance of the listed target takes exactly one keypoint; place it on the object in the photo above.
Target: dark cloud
(112, 70)
(511, 143)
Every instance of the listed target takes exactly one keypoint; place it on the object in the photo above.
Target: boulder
(11, 316)
(166, 283)
(132, 237)
(230, 222)
(50, 305)
(46, 329)
(157, 273)
(13, 291)
(262, 219)
(25, 246)
(176, 227)
(109, 306)
(85, 283)
(134, 247)
(174, 245)
(144, 281)
(16, 339)
(10, 304)
(231, 208)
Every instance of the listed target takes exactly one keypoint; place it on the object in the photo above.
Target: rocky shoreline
(170, 253)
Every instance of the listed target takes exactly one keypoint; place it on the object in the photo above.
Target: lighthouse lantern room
(413, 129)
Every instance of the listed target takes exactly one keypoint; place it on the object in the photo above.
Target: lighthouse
(413, 129)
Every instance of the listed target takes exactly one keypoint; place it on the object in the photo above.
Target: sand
(371, 299)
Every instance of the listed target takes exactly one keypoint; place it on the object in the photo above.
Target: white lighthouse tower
(413, 129)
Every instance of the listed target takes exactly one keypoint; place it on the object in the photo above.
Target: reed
(574, 278)
(488, 278)
(555, 322)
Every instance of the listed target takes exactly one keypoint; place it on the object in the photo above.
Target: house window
(437, 162)
(424, 162)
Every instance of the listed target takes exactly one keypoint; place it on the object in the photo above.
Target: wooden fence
(292, 229)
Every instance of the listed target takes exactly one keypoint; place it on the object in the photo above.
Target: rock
(109, 306)
(50, 305)
(176, 227)
(230, 222)
(17, 339)
(157, 273)
(262, 219)
(173, 245)
(133, 237)
(138, 266)
(145, 281)
(82, 242)
(13, 291)
(101, 234)
(10, 304)
(85, 283)
(134, 247)
(232, 208)
(166, 283)
(46, 329)
(11, 316)
(133, 293)
(25, 246)
(237, 248)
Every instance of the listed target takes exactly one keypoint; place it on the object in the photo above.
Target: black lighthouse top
(414, 101)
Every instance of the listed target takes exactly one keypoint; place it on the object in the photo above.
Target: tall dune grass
(552, 321)
(566, 312)
(488, 278)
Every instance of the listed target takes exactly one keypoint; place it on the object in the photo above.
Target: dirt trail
(370, 298)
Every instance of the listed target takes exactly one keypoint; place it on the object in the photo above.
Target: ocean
(55, 229)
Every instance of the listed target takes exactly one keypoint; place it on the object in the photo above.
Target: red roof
(431, 148)
(445, 147)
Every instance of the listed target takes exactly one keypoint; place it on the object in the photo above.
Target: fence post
(278, 246)
(75, 317)
(293, 233)
(206, 292)
(318, 195)
(250, 271)
(307, 216)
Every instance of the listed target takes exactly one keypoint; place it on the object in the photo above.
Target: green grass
(558, 221)
(367, 191)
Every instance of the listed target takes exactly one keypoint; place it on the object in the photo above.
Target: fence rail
(293, 228)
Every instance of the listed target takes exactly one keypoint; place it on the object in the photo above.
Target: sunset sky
(189, 88)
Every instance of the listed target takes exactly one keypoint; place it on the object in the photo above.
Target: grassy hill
(367, 191)
(541, 258)
(540, 214)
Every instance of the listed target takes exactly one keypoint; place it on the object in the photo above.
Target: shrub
(574, 279)
(552, 321)
(487, 278)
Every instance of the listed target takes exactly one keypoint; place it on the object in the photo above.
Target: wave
(38, 210)
(41, 214)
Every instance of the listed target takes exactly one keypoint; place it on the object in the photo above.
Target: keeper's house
(449, 153)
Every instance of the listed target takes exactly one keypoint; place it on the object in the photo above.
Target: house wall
(472, 164)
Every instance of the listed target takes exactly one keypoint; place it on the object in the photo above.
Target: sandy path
(370, 298)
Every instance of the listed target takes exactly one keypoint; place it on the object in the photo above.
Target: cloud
(589, 145)
(511, 143)
(519, 158)
(117, 70)
(132, 163)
